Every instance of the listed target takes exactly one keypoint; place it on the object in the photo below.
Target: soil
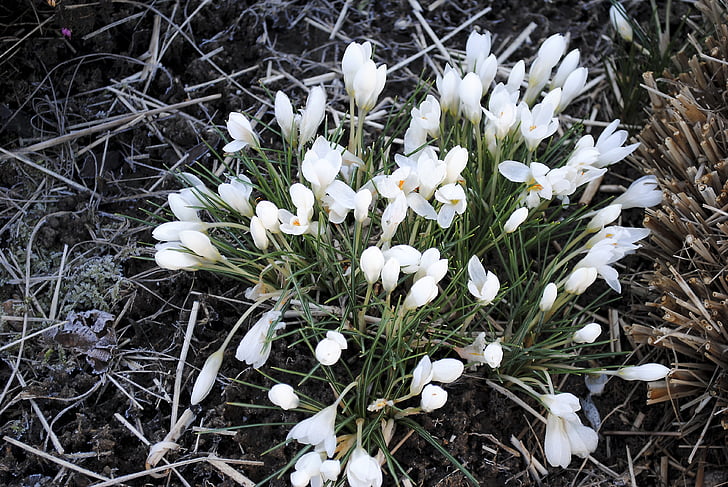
(52, 82)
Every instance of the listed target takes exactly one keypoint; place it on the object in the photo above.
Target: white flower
(284, 115)
(431, 265)
(283, 396)
(171, 256)
(362, 200)
(183, 209)
(448, 86)
(642, 193)
(307, 468)
(433, 397)
(390, 274)
(483, 285)
(493, 354)
(242, 133)
(580, 279)
(470, 92)
(318, 430)
(392, 216)
(267, 212)
(371, 263)
(427, 116)
(312, 115)
(538, 184)
(363, 470)
(455, 161)
(328, 350)
(514, 221)
(502, 112)
(548, 56)
(477, 48)
(609, 145)
(537, 124)
(452, 197)
(565, 435)
(200, 244)
(303, 200)
(330, 470)
(169, 231)
(567, 66)
(422, 292)
(236, 194)
(604, 217)
(617, 15)
(515, 79)
(339, 200)
(587, 334)
(572, 87)
(320, 165)
(421, 376)
(408, 257)
(447, 370)
(206, 379)
(354, 58)
(259, 233)
(548, 297)
(645, 372)
(255, 346)
(368, 84)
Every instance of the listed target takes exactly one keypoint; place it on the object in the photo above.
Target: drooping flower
(493, 354)
(328, 350)
(604, 217)
(645, 372)
(565, 434)
(587, 334)
(363, 470)
(514, 221)
(236, 194)
(182, 208)
(254, 348)
(318, 430)
(483, 285)
(283, 396)
(242, 133)
(422, 292)
(433, 397)
(642, 193)
(548, 297)
(206, 379)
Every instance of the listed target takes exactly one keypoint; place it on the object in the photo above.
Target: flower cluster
(369, 249)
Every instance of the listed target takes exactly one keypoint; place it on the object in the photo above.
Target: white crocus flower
(283, 396)
(514, 221)
(565, 434)
(483, 285)
(320, 165)
(206, 379)
(502, 112)
(200, 244)
(452, 197)
(242, 133)
(362, 201)
(433, 397)
(371, 263)
(447, 370)
(394, 214)
(580, 279)
(493, 354)
(609, 145)
(368, 84)
(537, 124)
(567, 66)
(548, 297)
(422, 292)
(548, 56)
(254, 348)
(515, 79)
(328, 350)
(621, 239)
(169, 231)
(470, 92)
(312, 115)
(455, 161)
(415, 138)
(182, 208)
(538, 184)
(285, 118)
(431, 265)
(354, 58)
(236, 194)
(572, 87)
(448, 86)
(259, 233)
(363, 470)
(267, 212)
(477, 48)
(645, 372)
(430, 172)
(617, 15)
(408, 257)
(486, 71)
(330, 470)
(427, 116)
(642, 193)
(339, 200)
(307, 470)
(587, 334)
(318, 430)
(390, 274)
(171, 256)
(421, 375)
(604, 217)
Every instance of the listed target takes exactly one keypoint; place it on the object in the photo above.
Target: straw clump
(685, 145)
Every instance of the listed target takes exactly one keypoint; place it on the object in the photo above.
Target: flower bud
(620, 22)
(645, 372)
(579, 280)
(172, 257)
(493, 354)
(242, 133)
(329, 349)
(371, 263)
(200, 244)
(548, 297)
(587, 334)
(169, 231)
(206, 379)
(514, 221)
(447, 370)
(313, 114)
(422, 292)
(470, 92)
(283, 396)
(259, 234)
(390, 274)
(284, 115)
(604, 217)
(368, 84)
(362, 200)
(330, 470)
(433, 397)
(182, 209)
(236, 194)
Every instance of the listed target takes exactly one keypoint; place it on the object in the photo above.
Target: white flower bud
(200, 244)
(170, 256)
(259, 233)
(514, 221)
(284, 115)
(620, 22)
(422, 292)
(645, 372)
(169, 231)
(283, 396)
(493, 354)
(548, 297)
(330, 470)
(447, 370)
(604, 217)
(206, 379)
(580, 279)
(371, 263)
(313, 114)
(328, 350)
(390, 274)
(587, 334)
(433, 397)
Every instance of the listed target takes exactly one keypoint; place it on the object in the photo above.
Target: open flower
(565, 435)
(254, 348)
(283, 396)
(363, 470)
(242, 133)
(452, 197)
(483, 285)
(318, 430)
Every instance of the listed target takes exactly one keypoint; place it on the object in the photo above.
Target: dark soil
(51, 83)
